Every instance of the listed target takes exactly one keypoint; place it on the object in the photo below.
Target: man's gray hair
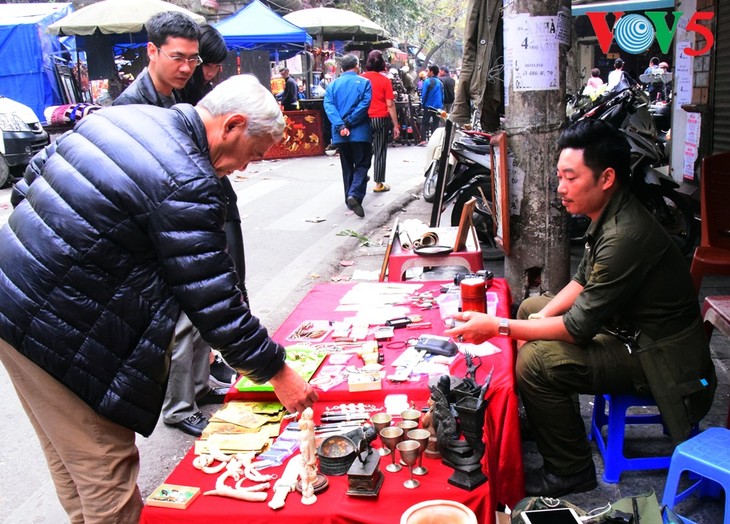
(348, 62)
(244, 94)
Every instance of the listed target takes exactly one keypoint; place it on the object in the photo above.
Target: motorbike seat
(468, 143)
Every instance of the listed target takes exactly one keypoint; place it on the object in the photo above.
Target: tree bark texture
(540, 249)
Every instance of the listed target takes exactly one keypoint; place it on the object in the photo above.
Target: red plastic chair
(712, 256)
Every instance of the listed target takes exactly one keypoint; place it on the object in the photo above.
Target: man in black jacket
(173, 53)
(190, 370)
(449, 85)
(288, 97)
(119, 229)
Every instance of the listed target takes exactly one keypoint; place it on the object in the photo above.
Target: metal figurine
(463, 455)
(364, 476)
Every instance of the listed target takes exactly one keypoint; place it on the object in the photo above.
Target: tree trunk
(535, 31)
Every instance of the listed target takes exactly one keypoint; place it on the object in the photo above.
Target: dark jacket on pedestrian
(449, 84)
(142, 91)
(120, 228)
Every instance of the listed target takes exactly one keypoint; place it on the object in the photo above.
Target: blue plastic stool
(612, 448)
(706, 455)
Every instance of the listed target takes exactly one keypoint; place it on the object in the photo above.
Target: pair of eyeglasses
(179, 60)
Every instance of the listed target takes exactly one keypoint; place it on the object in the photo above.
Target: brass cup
(421, 436)
(409, 454)
(411, 414)
(381, 421)
(391, 436)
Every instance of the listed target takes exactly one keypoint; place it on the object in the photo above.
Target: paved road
(288, 249)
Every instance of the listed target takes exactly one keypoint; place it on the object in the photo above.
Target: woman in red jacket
(382, 115)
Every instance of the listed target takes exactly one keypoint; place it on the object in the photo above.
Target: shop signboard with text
(634, 33)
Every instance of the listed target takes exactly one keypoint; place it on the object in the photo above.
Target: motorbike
(628, 110)
(468, 174)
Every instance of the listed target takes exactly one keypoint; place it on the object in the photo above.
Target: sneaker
(193, 425)
(221, 374)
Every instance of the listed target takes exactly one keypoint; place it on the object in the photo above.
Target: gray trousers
(550, 374)
(189, 372)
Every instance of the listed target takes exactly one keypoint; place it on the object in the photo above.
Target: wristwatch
(503, 328)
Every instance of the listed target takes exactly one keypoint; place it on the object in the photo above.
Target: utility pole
(537, 35)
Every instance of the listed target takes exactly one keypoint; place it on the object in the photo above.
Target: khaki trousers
(93, 461)
(550, 374)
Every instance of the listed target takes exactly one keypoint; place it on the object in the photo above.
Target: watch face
(503, 328)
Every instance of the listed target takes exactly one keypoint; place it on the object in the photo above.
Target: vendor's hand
(396, 132)
(293, 391)
(344, 132)
(477, 327)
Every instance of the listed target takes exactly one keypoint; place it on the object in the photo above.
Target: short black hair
(171, 24)
(603, 146)
(434, 69)
(618, 63)
(213, 48)
(375, 61)
(654, 61)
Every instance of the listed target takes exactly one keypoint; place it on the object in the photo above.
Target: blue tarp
(258, 27)
(28, 73)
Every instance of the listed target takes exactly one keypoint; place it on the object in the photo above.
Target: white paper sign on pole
(691, 144)
(532, 52)
(683, 76)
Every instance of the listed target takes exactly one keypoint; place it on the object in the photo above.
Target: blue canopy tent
(28, 73)
(256, 27)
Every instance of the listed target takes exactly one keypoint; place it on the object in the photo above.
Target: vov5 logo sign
(634, 33)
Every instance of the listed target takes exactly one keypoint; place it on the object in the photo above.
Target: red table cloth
(502, 462)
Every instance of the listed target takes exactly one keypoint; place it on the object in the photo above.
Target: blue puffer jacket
(121, 228)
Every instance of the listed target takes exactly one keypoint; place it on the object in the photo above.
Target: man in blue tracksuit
(346, 102)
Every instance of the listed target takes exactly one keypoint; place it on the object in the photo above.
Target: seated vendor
(628, 322)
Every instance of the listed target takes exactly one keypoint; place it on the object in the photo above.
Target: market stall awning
(258, 27)
(329, 23)
(583, 7)
(115, 17)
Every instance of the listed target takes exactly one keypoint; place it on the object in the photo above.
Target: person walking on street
(346, 103)
(119, 226)
(289, 97)
(449, 87)
(382, 115)
(432, 102)
(617, 327)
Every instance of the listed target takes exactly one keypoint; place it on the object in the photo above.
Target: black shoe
(221, 374)
(193, 425)
(543, 483)
(356, 207)
(213, 396)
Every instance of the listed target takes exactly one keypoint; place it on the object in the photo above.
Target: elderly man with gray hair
(346, 103)
(119, 228)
